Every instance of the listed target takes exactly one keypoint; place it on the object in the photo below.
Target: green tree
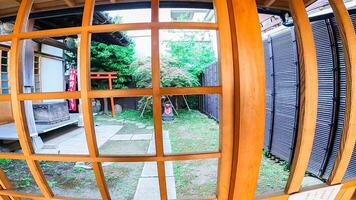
(193, 52)
(112, 58)
(105, 58)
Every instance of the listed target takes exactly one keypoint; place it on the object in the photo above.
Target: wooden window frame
(17, 98)
(242, 104)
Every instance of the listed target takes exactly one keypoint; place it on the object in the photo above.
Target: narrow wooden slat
(5, 38)
(17, 194)
(110, 158)
(85, 84)
(120, 93)
(308, 74)
(49, 95)
(108, 28)
(227, 99)
(186, 25)
(17, 105)
(347, 144)
(157, 109)
(49, 33)
(5, 97)
(190, 90)
(249, 72)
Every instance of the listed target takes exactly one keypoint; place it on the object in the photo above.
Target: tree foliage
(112, 58)
(108, 58)
(192, 52)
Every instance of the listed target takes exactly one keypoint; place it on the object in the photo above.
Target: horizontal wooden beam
(109, 158)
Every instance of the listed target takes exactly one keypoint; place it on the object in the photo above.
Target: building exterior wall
(52, 70)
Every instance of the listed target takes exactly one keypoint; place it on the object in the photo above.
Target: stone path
(74, 141)
(148, 186)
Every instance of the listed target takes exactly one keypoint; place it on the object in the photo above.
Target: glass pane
(71, 179)
(121, 60)
(57, 127)
(117, 14)
(195, 179)
(19, 175)
(273, 175)
(51, 64)
(186, 15)
(132, 180)
(191, 123)
(130, 131)
(54, 20)
(189, 58)
(8, 16)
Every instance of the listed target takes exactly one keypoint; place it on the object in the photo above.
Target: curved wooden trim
(249, 73)
(227, 98)
(17, 105)
(347, 144)
(308, 96)
(85, 85)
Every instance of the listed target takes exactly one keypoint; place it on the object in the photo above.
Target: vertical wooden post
(249, 98)
(111, 98)
(227, 99)
(17, 105)
(86, 101)
(348, 38)
(157, 109)
(308, 74)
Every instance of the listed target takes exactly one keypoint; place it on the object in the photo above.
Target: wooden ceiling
(9, 7)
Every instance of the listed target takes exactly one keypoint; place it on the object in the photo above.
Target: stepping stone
(141, 137)
(122, 137)
(148, 189)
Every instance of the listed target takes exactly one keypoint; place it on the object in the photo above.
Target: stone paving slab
(142, 137)
(148, 186)
(150, 169)
(122, 137)
(148, 189)
(74, 141)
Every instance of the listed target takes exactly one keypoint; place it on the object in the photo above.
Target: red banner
(72, 83)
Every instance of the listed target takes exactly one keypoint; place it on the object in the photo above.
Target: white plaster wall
(52, 70)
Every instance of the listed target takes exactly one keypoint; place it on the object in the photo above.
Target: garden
(193, 130)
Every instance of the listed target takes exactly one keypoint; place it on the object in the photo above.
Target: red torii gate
(108, 76)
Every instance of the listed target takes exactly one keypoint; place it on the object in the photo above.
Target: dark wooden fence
(282, 95)
(209, 104)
